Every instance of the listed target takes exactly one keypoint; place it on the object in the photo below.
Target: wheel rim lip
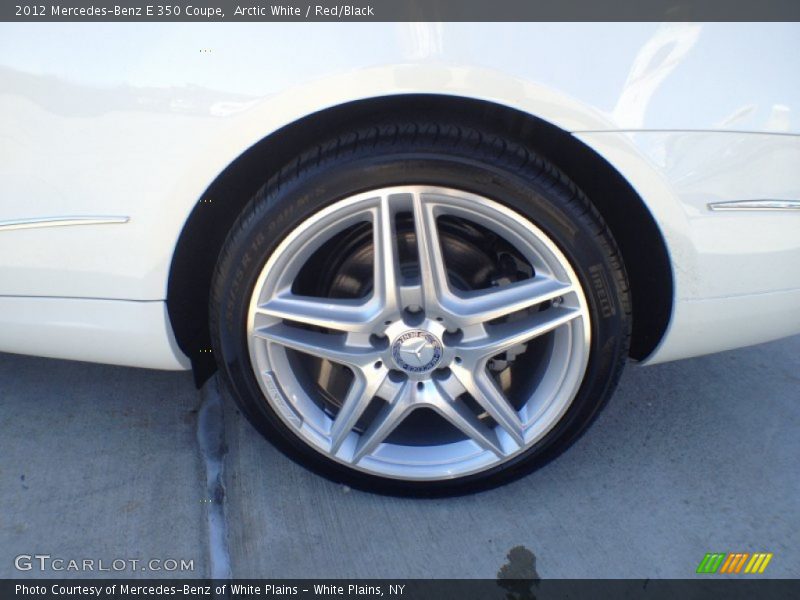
(457, 459)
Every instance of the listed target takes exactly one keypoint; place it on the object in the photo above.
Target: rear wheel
(420, 310)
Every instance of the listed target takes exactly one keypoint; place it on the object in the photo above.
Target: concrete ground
(690, 457)
(98, 462)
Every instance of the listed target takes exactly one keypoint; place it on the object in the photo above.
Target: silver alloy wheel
(419, 342)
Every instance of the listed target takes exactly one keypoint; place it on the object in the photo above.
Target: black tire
(462, 157)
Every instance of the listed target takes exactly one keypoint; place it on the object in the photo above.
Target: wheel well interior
(639, 239)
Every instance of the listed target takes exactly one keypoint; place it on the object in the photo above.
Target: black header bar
(397, 10)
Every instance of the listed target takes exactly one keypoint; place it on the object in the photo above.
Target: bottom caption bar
(410, 589)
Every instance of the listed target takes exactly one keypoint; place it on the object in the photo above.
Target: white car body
(111, 134)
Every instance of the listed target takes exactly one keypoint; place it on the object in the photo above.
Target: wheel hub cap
(417, 351)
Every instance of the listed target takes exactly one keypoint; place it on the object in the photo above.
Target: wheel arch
(639, 238)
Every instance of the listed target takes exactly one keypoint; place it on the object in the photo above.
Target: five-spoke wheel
(415, 340)
(417, 315)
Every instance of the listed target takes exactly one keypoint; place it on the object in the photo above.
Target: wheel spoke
(507, 335)
(386, 269)
(342, 315)
(460, 415)
(483, 306)
(322, 345)
(386, 421)
(433, 276)
(486, 393)
(355, 403)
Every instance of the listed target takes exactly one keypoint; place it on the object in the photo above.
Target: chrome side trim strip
(60, 222)
(755, 205)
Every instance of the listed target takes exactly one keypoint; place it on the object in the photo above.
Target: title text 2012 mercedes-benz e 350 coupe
(419, 255)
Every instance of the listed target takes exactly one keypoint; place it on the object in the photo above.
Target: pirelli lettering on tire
(600, 286)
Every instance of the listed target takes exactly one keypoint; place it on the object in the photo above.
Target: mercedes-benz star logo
(417, 351)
